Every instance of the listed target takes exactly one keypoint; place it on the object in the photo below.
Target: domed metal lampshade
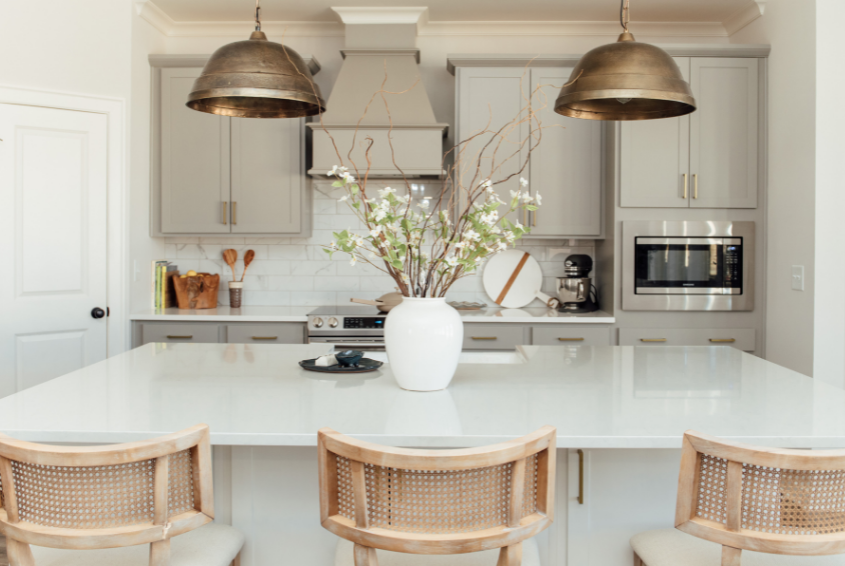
(256, 78)
(626, 80)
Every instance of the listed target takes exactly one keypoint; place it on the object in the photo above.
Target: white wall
(789, 26)
(143, 249)
(828, 358)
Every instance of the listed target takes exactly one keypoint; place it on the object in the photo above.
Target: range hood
(380, 41)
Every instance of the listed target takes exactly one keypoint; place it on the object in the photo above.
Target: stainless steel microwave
(693, 266)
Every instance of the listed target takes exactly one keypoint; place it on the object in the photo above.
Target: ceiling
(460, 10)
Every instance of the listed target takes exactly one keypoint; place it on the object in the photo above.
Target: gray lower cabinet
(144, 332)
(283, 333)
(742, 338)
(178, 332)
(219, 175)
(495, 336)
(574, 335)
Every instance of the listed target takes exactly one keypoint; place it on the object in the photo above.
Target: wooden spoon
(248, 257)
(231, 256)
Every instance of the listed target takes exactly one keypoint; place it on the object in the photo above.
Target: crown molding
(745, 16)
(381, 15)
(552, 28)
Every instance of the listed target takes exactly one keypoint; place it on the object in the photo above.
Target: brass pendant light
(625, 80)
(256, 78)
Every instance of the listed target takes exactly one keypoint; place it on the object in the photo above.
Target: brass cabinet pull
(234, 213)
(686, 185)
(652, 339)
(174, 337)
(571, 339)
(265, 337)
(225, 212)
(580, 476)
(485, 338)
(695, 183)
(725, 340)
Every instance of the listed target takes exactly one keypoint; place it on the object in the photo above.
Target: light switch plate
(797, 277)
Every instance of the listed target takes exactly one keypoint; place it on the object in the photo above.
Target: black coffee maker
(575, 290)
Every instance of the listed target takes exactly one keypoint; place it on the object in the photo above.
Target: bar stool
(783, 507)
(483, 504)
(102, 506)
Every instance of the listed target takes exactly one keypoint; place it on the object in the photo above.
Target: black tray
(364, 366)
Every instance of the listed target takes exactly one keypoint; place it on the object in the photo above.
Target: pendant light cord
(625, 14)
(257, 15)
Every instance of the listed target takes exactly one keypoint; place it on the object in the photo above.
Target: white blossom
(472, 236)
(538, 199)
(523, 182)
(344, 198)
(424, 204)
(337, 171)
(526, 198)
(386, 191)
(451, 261)
(353, 261)
(376, 232)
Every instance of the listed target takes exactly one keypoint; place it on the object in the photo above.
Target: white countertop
(608, 397)
(530, 315)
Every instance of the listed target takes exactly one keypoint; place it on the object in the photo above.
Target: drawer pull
(652, 339)
(175, 337)
(265, 337)
(724, 340)
(580, 477)
(571, 339)
(485, 338)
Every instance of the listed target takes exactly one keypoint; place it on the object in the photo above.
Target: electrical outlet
(797, 277)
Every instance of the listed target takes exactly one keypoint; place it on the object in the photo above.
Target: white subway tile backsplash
(298, 272)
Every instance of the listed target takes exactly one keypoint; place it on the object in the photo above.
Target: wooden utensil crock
(197, 291)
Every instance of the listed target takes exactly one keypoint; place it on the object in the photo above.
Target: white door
(53, 181)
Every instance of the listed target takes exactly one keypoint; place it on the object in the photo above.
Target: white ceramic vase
(424, 338)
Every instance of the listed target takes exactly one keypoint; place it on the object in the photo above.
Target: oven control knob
(318, 322)
(333, 322)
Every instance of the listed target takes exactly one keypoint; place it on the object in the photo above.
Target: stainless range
(361, 328)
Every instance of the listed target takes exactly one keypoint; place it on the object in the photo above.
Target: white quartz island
(625, 408)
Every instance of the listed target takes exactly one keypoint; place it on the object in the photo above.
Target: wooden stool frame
(363, 460)
(764, 500)
(92, 464)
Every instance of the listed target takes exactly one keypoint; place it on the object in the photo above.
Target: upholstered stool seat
(671, 547)
(344, 556)
(210, 545)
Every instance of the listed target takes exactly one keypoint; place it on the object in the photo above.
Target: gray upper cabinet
(266, 176)
(220, 175)
(566, 168)
(489, 98)
(194, 160)
(708, 159)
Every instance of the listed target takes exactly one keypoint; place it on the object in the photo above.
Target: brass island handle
(265, 337)
(724, 340)
(485, 338)
(652, 339)
(571, 339)
(580, 477)
(686, 185)
(174, 337)
(695, 182)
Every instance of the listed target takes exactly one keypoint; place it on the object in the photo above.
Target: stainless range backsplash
(297, 272)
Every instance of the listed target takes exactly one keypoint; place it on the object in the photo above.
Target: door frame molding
(118, 221)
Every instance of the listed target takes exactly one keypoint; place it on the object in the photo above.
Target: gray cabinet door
(179, 332)
(655, 157)
(487, 99)
(267, 182)
(566, 167)
(194, 160)
(723, 133)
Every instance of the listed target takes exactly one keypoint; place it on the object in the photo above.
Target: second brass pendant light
(256, 78)
(626, 80)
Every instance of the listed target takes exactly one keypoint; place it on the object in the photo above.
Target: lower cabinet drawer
(292, 333)
(161, 332)
(742, 338)
(570, 336)
(493, 337)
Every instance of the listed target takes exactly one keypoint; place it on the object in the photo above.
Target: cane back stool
(782, 507)
(135, 504)
(481, 506)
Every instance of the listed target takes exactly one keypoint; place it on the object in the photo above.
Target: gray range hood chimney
(379, 41)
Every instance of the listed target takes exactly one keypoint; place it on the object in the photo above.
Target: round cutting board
(513, 279)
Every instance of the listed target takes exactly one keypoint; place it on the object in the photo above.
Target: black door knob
(97, 312)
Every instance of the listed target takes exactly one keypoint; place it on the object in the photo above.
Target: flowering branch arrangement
(427, 245)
